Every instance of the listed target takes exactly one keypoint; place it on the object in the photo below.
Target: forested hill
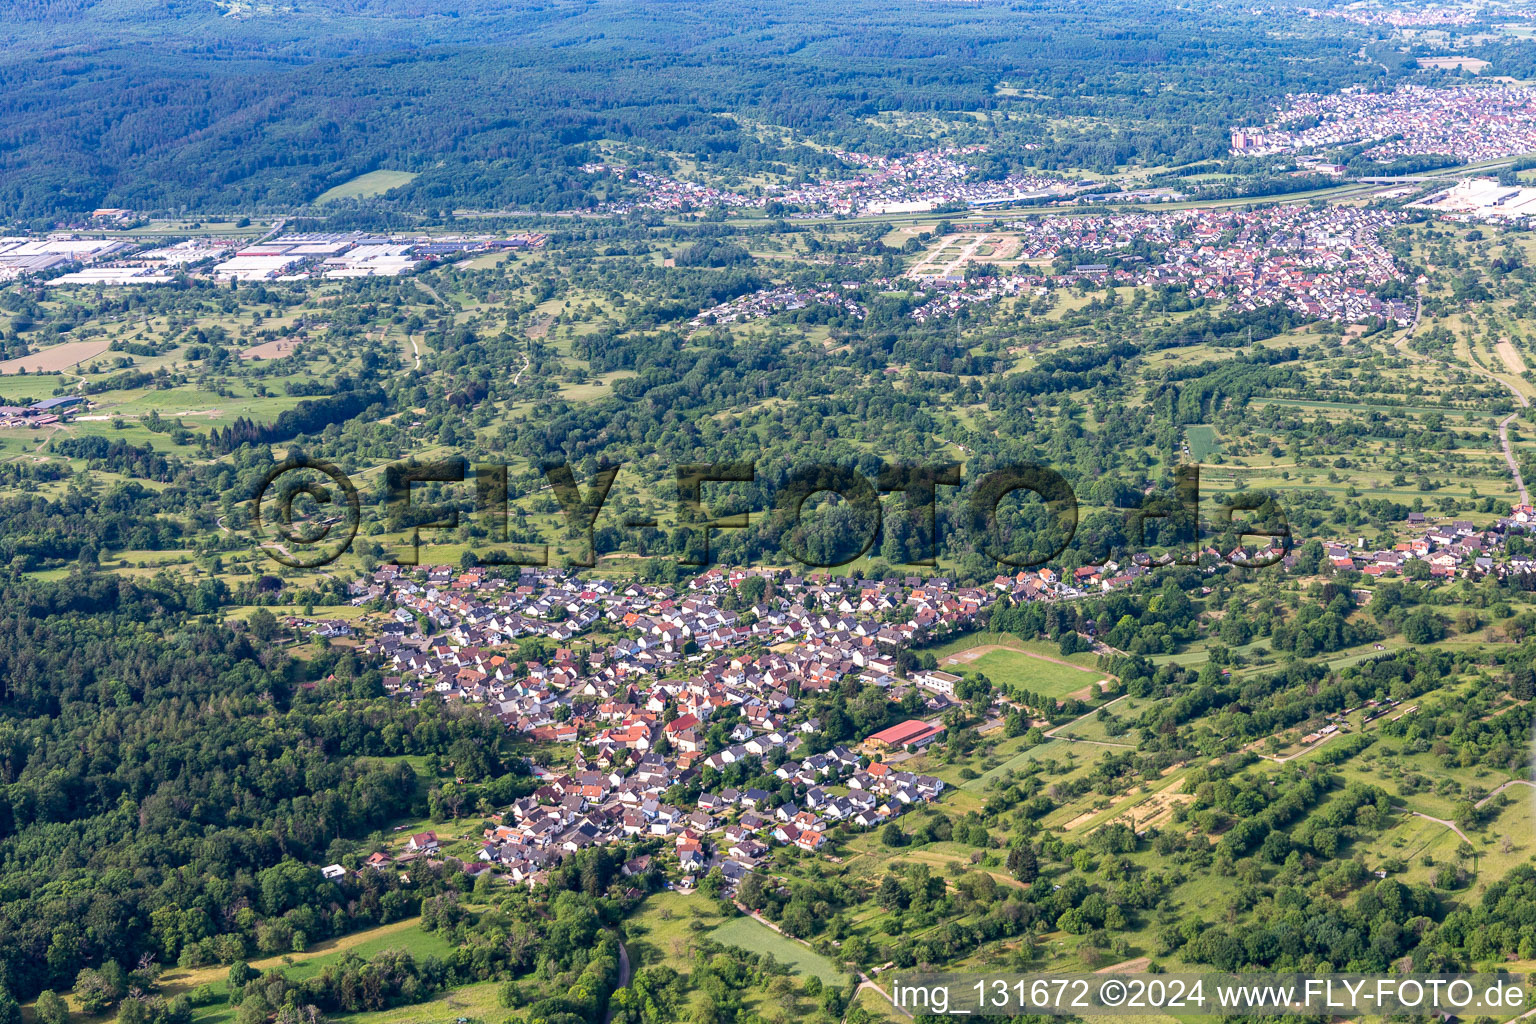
(177, 106)
(160, 771)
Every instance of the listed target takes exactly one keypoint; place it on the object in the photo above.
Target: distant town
(1328, 263)
(1467, 122)
(916, 183)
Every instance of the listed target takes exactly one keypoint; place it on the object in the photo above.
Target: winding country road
(1448, 824)
(1481, 803)
(1512, 782)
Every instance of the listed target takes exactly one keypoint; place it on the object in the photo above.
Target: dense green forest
(498, 108)
(167, 779)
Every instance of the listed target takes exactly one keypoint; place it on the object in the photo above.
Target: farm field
(1203, 442)
(55, 358)
(1064, 749)
(406, 934)
(972, 641)
(667, 925)
(270, 349)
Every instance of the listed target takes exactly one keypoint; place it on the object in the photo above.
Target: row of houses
(641, 709)
(692, 688)
(823, 630)
(1453, 549)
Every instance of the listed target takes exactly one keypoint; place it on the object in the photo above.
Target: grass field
(1090, 728)
(664, 930)
(875, 1003)
(668, 926)
(1202, 442)
(970, 641)
(365, 186)
(759, 938)
(1084, 752)
(406, 935)
(472, 1002)
(1020, 668)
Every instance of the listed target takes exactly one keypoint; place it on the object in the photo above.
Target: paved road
(1509, 455)
(1304, 750)
(277, 228)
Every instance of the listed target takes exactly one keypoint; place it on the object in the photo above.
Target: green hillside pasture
(366, 186)
(1085, 753)
(756, 937)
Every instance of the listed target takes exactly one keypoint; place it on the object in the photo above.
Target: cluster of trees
(390, 978)
(78, 525)
(1293, 932)
(1152, 620)
(1497, 925)
(168, 786)
(307, 417)
(118, 456)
